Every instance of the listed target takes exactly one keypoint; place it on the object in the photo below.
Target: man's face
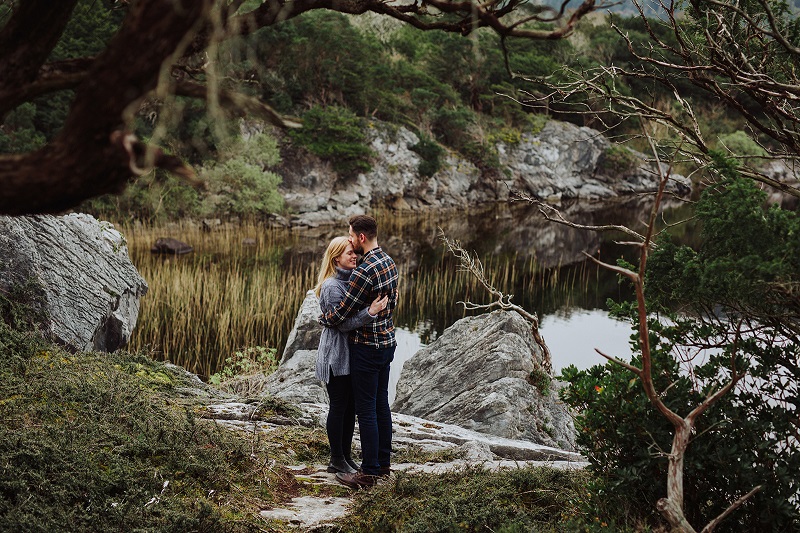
(355, 241)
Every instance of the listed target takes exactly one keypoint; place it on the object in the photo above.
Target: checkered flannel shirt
(377, 274)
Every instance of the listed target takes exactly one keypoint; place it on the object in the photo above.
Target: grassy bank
(100, 442)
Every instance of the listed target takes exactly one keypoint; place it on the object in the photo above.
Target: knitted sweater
(333, 354)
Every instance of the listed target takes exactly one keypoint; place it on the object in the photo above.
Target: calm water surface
(541, 263)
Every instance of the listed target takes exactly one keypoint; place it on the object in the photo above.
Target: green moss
(470, 499)
(98, 442)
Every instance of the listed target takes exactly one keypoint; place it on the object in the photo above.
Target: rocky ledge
(560, 162)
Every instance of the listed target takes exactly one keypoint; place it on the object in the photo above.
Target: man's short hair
(364, 224)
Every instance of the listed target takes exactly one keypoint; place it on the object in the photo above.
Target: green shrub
(453, 126)
(431, 154)
(618, 160)
(240, 184)
(256, 359)
(739, 144)
(337, 135)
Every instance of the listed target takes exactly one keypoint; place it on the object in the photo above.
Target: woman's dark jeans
(369, 369)
(341, 421)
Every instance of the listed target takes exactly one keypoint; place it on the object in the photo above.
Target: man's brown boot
(385, 471)
(358, 480)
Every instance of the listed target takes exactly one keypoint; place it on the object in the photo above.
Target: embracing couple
(355, 350)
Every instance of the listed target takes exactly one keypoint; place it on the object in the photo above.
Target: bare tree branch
(711, 526)
(470, 263)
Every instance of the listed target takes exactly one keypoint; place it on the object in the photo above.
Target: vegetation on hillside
(336, 73)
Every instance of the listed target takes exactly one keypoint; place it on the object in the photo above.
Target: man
(371, 348)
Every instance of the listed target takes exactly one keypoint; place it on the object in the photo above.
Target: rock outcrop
(77, 274)
(563, 161)
(477, 375)
(307, 330)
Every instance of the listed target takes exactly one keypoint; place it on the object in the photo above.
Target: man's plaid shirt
(377, 274)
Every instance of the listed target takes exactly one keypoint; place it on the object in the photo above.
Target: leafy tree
(335, 134)
(161, 49)
(721, 351)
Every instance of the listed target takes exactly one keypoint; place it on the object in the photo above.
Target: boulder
(295, 381)
(78, 272)
(168, 245)
(477, 375)
(307, 330)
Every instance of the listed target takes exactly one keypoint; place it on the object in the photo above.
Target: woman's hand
(378, 305)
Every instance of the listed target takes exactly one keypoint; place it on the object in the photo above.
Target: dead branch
(472, 264)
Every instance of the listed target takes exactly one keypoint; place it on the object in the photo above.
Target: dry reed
(227, 296)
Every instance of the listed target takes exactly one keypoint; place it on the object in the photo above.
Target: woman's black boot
(339, 464)
(352, 463)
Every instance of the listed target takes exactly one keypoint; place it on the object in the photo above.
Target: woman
(333, 357)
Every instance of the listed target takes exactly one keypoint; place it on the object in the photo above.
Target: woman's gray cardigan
(333, 354)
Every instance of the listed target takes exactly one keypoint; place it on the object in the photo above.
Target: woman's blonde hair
(328, 268)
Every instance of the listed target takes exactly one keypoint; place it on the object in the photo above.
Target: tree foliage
(736, 63)
(166, 48)
(716, 314)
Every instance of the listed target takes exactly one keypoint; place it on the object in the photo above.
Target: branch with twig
(471, 263)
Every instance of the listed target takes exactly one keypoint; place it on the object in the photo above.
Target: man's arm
(354, 300)
(335, 293)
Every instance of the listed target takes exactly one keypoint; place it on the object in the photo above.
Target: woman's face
(348, 258)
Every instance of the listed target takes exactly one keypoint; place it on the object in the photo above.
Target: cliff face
(562, 161)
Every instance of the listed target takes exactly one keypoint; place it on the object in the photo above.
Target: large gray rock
(307, 330)
(476, 375)
(564, 161)
(295, 381)
(81, 276)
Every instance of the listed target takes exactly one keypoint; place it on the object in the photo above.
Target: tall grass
(223, 297)
(227, 296)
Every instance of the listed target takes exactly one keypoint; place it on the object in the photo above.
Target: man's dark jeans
(341, 422)
(369, 370)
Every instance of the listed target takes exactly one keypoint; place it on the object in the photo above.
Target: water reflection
(541, 263)
(250, 296)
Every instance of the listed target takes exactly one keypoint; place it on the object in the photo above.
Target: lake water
(250, 295)
(541, 263)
